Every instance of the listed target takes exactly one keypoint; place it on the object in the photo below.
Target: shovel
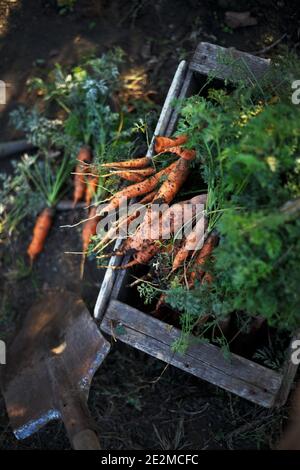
(50, 366)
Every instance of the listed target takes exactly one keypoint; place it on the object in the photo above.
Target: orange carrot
(171, 221)
(148, 198)
(144, 172)
(138, 189)
(183, 153)
(130, 176)
(172, 218)
(162, 143)
(79, 187)
(89, 229)
(91, 189)
(202, 257)
(159, 303)
(190, 244)
(125, 221)
(41, 229)
(173, 183)
(142, 257)
(134, 163)
(84, 156)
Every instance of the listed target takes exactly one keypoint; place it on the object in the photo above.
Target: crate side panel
(240, 376)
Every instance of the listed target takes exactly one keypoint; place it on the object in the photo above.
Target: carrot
(127, 164)
(183, 153)
(159, 303)
(89, 229)
(202, 257)
(165, 144)
(171, 221)
(79, 187)
(144, 172)
(129, 176)
(173, 183)
(189, 245)
(148, 198)
(136, 176)
(145, 249)
(41, 229)
(162, 143)
(138, 189)
(142, 257)
(91, 189)
(126, 220)
(84, 156)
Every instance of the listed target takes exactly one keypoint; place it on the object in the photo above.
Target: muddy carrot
(41, 229)
(129, 164)
(144, 172)
(190, 244)
(183, 153)
(202, 258)
(162, 143)
(91, 189)
(89, 229)
(172, 220)
(125, 221)
(173, 183)
(84, 156)
(138, 189)
(142, 257)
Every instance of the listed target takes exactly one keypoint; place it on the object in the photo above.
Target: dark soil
(136, 402)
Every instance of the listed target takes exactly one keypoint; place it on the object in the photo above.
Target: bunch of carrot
(139, 171)
(155, 187)
(162, 187)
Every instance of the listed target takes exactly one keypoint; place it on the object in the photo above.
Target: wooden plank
(187, 89)
(206, 361)
(206, 62)
(167, 109)
(288, 375)
(111, 274)
(228, 63)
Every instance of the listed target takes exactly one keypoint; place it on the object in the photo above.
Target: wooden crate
(238, 375)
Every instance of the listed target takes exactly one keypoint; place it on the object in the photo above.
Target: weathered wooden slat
(227, 63)
(188, 87)
(167, 109)
(288, 374)
(111, 274)
(206, 361)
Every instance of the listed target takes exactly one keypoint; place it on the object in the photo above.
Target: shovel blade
(55, 355)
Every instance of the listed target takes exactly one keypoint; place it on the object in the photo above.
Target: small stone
(53, 53)
(235, 19)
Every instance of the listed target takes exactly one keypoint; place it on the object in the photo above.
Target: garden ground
(136, 402)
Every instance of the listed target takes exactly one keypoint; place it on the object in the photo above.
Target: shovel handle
(86, 440)
(79, 423)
